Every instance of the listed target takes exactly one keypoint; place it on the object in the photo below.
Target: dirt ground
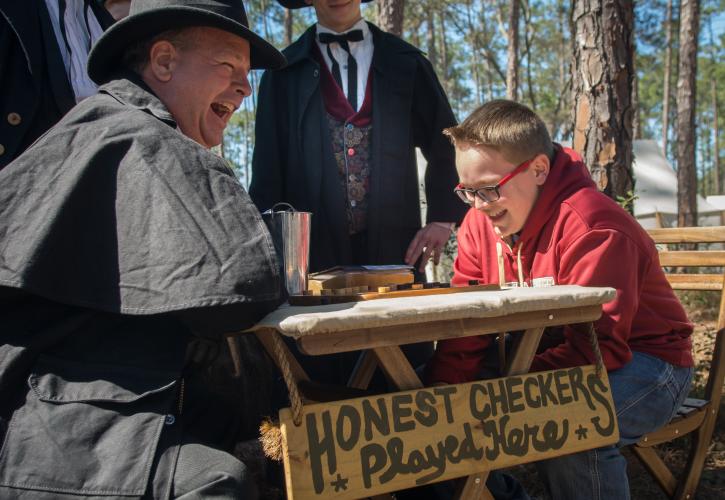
(642, 486)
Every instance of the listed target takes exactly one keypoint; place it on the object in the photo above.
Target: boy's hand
(429, 241)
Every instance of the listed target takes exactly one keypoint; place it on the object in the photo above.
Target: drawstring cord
(499, 257)
(521, 271)
(501, 270)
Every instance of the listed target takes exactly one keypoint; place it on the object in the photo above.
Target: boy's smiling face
(480, 166)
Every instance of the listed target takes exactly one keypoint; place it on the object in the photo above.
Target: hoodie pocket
(86, 429)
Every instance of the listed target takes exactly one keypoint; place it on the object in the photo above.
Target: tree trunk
(512, 70)
(445, 73)
(562, 48)
(602, 80)
(390, 16)
(476, 49)
(635, 104)
(715, 129)
(703, 153)
(431, 39)
(263, 8)
(529, 28)
(486, 56)
(288, 22)
(564, 73)
(716, 142)
(686, 101)
(667, 77)
(489, 49)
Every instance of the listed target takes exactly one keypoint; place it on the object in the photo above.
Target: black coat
(121, 240)
(293, 158)
(34, 86)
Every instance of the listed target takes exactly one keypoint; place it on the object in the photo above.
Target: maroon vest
(351, 135)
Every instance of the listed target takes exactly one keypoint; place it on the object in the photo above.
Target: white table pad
(299, 321)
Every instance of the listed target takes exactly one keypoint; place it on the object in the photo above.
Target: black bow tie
(342, 39)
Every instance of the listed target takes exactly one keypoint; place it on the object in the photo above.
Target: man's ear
(540, 166)
(162, 60)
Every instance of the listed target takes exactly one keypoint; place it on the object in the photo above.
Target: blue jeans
(647, 392)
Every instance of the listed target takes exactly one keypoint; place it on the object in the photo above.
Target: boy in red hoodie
(534, 202)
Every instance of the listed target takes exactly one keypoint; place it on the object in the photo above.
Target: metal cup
(290, 231)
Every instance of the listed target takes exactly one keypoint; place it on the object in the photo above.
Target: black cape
(128, 215)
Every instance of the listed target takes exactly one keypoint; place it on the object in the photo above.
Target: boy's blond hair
(507, 127)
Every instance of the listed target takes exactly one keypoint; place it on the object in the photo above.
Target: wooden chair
(696, 417)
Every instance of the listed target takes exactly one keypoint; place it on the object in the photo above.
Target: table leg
(475, 488)
(397, 367)
(236, 359)
(524, 350)
(364, 370)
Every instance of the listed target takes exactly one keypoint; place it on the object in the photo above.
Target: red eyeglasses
(489, 194)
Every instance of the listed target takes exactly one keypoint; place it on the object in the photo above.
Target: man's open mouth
(222, 109)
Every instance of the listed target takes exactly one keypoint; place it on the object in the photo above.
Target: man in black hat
(126, 249)
(336, 133)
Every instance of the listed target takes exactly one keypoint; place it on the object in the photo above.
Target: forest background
(468, 43)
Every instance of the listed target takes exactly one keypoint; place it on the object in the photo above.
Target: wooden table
(379, 328)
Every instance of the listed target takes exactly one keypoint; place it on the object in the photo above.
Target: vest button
(2, 149)
(14, 119)
(350, 152)
(316, 73)
(170, 419)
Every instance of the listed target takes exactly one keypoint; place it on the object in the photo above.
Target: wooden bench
(696, 417)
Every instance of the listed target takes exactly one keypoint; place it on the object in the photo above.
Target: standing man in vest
(336, 135)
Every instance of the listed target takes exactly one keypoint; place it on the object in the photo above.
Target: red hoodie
(578, 236)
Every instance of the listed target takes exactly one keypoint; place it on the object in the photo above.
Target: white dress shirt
(362, 51)
(82, 30)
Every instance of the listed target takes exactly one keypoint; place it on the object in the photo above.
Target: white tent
(656, 190)
(717, 201)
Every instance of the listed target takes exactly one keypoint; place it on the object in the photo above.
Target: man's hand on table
(429, 241)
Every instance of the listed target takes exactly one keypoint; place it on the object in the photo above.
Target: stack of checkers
(360, 293)
(379, 289)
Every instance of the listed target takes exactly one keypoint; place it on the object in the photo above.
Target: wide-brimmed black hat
(298, 4)
(148, 18)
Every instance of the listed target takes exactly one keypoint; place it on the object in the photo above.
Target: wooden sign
(366, 446)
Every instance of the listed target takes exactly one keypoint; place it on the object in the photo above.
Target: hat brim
(105, 56)
(298, 4)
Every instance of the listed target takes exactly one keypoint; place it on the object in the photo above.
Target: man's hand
(429, 241)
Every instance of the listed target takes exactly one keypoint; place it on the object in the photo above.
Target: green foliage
(466, 42)
(627, 202)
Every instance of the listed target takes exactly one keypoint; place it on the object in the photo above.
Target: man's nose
(242, 85)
